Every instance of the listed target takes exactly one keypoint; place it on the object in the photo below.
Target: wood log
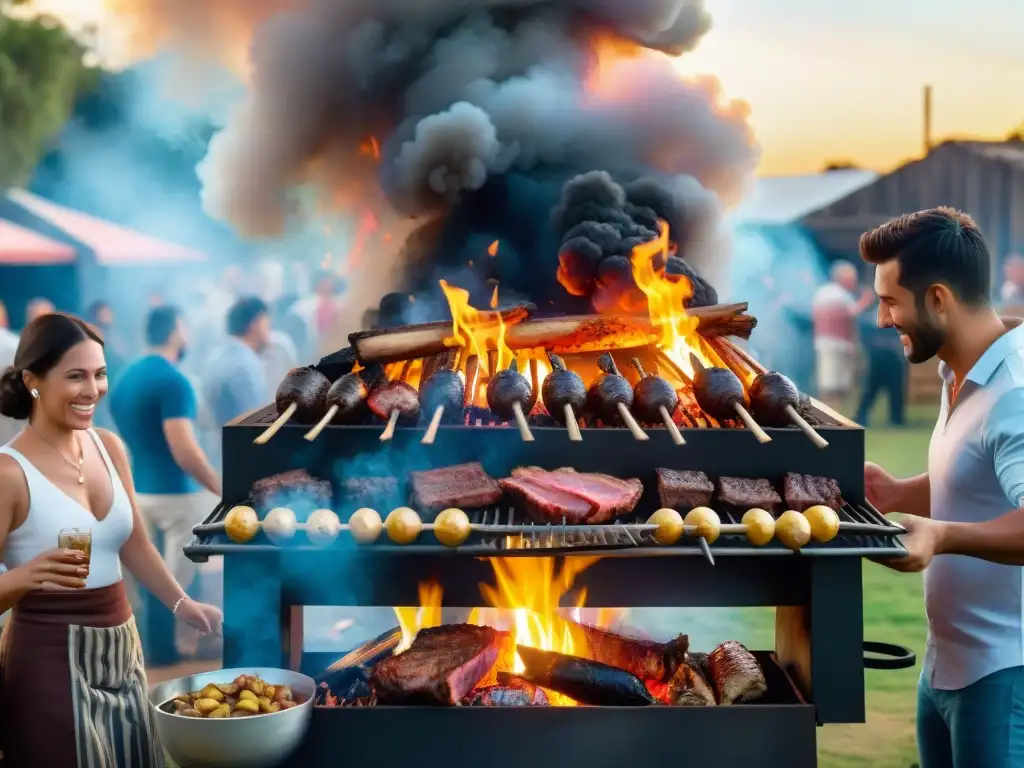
(562, 335)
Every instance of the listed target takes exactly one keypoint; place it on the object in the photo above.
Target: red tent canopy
(113, 244)
(23, 247)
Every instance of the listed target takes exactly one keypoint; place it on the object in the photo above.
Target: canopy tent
(20, 246)
(111, 244)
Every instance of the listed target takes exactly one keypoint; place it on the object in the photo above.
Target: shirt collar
(1010, 342)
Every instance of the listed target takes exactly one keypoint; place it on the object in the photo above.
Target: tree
(43, 70)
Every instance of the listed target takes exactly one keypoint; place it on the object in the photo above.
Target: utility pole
(927, 119)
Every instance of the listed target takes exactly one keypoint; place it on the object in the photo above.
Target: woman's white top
(51, 510)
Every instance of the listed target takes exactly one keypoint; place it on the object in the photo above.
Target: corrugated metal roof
(787, 199)
(113, 244)
(1001, 151)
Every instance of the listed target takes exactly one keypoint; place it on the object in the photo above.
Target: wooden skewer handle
(389, 430)
(749, 423)
(435, 422)
(673, 430)
(274, 428)
(806, 428)
(630, 422)
(314, 433)
(571, 424)
(524, 427)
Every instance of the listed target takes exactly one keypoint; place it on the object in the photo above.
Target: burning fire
(476, 332)
(525, 601)
(666, 304)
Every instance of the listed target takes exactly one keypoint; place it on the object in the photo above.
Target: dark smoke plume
(483, 105)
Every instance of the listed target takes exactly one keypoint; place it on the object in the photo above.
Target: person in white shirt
(834, 310)
(965, 522)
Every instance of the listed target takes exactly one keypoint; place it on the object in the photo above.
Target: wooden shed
(985, 179)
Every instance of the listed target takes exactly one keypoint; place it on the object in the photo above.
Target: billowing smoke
(473, 120)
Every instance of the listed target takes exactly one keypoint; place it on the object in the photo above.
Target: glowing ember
(370, 148)
(494, 298)
(492, 249)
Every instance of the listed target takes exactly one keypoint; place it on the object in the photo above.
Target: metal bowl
(260, 741)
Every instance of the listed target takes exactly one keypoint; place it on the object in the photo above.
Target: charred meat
(735, 673)
(804, 491)
(646, 659)
(462, 485)
(395, 396)
(526, 695)
(689, 688)
(505, 390)
(685, 489)
(577, 497)
(770, 394)
(748, 492)
(283, 488)
(718, 391)
(563, 387)
(349, 394)
(367, 490)
(651, 394)
(584, 681)
(608, 390)
(306, 389)
(444, 389)
(443, 664)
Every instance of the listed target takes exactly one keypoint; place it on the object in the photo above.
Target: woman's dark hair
(43, 343)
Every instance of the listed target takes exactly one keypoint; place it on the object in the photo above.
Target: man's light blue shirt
(235, 382)
(976, 472)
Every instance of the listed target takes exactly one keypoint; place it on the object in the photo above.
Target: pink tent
(23, 247)
(112, 244)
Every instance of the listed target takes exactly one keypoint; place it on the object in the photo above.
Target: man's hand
(923, 541)
(881, 488)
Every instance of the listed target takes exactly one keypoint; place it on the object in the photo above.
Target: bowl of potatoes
(249, 718)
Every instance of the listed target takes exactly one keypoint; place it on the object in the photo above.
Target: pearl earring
(35, 393)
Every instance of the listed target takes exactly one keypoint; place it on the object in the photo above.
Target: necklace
(81, 458)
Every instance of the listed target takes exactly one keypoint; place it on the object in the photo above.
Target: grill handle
(895, 656)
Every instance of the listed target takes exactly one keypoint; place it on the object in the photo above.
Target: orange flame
(494, 298)
(370, 148)
(666, 301)
(604, 78)
(492, 249)
(476, 332)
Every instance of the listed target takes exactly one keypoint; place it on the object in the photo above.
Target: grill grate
(864, 532)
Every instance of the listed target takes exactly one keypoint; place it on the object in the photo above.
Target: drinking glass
(76, 538)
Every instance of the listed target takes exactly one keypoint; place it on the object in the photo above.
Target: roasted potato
(245, 696)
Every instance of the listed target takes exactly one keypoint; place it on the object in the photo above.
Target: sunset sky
(843, 80)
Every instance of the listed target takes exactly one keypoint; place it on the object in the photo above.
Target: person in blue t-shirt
(154, 407)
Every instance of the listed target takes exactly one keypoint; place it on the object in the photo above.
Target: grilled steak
(370, 489)
(443, 664)
(735, 673)
(804, 491)
(461, 485)
(547, 494)
(688, 688)
(748, 492)
(684, 489)
(645, 659)
(285, 488)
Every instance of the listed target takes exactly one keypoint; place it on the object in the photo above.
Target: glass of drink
(76, 538)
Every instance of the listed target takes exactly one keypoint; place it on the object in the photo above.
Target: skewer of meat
(773, 402)
(654, 399)
(611, 396)
(564, 395)
(393, 400)
(721, 394)
(346, 399)
(302, 393)
(444, 390)
(509, 395)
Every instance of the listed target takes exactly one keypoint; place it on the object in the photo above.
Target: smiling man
(966, 530)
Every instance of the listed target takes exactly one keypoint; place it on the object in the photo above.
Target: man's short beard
(925, 341)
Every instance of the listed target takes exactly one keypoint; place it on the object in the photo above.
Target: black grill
(817, 591)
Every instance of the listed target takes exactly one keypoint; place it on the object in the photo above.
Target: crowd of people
(193, 368)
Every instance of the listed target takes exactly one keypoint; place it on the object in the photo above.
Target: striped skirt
(73, 692)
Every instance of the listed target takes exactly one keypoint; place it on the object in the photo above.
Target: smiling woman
(70, 651)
